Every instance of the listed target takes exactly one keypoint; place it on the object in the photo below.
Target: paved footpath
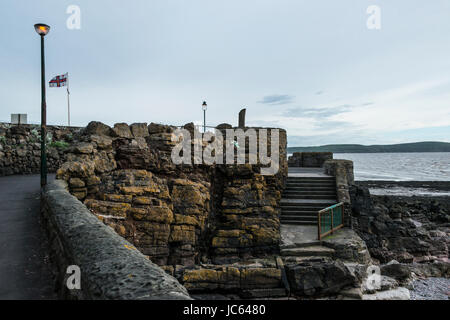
(24, 269)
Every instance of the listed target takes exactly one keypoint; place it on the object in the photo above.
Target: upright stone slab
(242, 118)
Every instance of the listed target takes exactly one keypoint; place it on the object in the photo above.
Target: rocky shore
(406, 229)
(430, 289)
(408, 236)
(385, 184)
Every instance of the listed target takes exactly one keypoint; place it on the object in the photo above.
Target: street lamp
(42, 30)
(204, 107)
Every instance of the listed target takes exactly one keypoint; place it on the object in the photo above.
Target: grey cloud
(277, 99)
(318, 113)
(319, 92)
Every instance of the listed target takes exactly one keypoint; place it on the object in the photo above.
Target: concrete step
(310, 188)
(316, 251)
(299, 223)
(300, 245)
(311, 178)
(303, 196)
(299, 212)
(295, 202)
(311, 192)
(311, 206)
(309, 219)
(302, 210)
(313, 183)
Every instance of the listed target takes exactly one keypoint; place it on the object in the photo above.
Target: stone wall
(175, 214)
(20, 147)
(309, 159)
(111, 267)
(342, 170)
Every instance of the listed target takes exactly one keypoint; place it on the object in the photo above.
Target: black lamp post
(42, 30)
(204, 107)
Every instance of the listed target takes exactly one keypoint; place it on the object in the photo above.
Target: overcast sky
(311, 67)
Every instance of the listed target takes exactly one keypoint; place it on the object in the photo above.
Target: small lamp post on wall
(204, 107)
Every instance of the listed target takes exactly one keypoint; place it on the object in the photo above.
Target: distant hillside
(359, 148)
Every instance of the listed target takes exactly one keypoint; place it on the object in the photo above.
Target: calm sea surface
(427, 166)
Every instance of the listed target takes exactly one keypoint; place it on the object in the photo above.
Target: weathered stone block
(122, 130)
(150, 213)
(182, 233)
(76, 183)
(117, 197)
(182, 219)
(139, 130)
(84, 148)
(102, 142)
(115, 209)
(260, 278)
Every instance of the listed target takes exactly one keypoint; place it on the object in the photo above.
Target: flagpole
(68, 100)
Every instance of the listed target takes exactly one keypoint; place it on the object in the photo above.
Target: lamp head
(204, 105)
(41, 29)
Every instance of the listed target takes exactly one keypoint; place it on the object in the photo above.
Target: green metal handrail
(330, 219)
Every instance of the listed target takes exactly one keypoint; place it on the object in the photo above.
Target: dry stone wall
(175, 214)
(20, 147)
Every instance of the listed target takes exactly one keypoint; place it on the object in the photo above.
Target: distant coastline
(426, 146)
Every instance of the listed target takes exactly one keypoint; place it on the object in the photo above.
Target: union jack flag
(59, 81)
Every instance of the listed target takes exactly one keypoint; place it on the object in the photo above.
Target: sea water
(414, 166)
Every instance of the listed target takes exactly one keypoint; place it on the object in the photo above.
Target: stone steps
(303, 197)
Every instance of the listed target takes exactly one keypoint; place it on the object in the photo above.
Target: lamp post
(42, 30)
(204, 107)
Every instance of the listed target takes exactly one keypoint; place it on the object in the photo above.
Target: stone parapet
(111, 267)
